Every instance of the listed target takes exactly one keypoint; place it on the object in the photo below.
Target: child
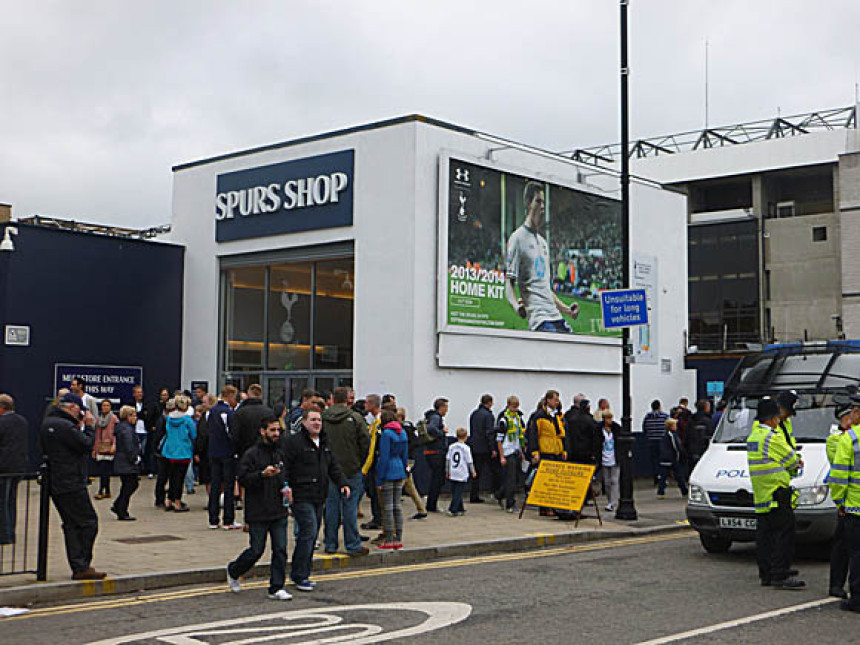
(458, 467)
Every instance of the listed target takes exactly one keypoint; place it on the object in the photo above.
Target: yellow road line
(348, 575)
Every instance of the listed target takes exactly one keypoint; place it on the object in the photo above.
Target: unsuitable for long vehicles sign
(624, 308)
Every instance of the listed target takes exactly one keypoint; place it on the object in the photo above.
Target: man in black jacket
(246, 420)
(67, 437)
(436, 451)
(261, 472)
(309, 464)
(13, 462)
(582, 433)
(700, 429)
(482, 441)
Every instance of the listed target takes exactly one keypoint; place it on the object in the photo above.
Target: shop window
(245, 311)
(333, 314)
(289, 316)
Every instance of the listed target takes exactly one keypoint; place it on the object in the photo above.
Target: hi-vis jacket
(771, 463)
(844, 476)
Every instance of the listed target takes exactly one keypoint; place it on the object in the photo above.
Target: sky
(98, 100)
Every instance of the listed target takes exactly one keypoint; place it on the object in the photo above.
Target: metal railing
(24, 524)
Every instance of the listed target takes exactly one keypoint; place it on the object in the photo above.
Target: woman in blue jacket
(390, 475)
(178, 450)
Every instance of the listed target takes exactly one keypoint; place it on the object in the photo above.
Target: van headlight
(811, 496)
(697, 495)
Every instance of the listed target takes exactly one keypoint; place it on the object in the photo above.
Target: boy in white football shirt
(459, 466)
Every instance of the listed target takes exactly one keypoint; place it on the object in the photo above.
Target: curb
(40, 593)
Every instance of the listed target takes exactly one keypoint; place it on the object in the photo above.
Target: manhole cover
(146, 539)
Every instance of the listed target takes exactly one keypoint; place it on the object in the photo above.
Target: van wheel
(715, 543)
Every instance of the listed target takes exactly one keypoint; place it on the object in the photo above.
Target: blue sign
(715, 388)
(624, 308)
(102, 381)
(300, 195)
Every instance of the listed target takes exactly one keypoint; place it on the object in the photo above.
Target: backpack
(424, 437)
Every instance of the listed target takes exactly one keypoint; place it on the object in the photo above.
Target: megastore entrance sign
(299, 195)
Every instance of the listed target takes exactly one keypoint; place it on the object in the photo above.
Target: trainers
(610, 507)
(450, 513)
(385, 545)
(233, 583)
(305, 585)
(89, 574)
(362, 551)
(397, 546)
(214, 527)
(280, 594)
(419, 516)
(371, 526)
(235, 526)
(379, 539)
(512, 509)
(789, 584)
(661, 496)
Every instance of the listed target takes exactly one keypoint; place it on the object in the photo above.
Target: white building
(337, 273)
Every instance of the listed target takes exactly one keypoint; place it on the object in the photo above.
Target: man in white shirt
(528, 267)
(78, 387)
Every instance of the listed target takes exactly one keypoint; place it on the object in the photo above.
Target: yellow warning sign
(560, 484)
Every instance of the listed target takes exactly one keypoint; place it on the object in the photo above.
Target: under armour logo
(462, 175)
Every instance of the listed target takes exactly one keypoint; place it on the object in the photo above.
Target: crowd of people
(315, 462)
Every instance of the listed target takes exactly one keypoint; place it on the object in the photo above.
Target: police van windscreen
(810, 424)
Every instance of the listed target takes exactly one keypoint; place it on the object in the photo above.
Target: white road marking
(702, 631)
(289, 625)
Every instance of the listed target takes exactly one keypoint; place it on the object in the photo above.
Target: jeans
(839, 557)
(80, 527)
(774, 538)
(8, 508)
(555, 326)
(307, 516)
(128, 485)
(508, 489)
(679, 470)
(339, 509)
(257, 533)
(654, 454)
(457, 489)
(223, 475)
(392, 508)
(189, 477)
(436, 463)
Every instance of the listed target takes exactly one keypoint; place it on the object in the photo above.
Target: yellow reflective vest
(844, 478)
(771, 462)
(375, 431)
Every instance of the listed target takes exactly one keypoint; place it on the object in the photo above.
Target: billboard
(524, 255)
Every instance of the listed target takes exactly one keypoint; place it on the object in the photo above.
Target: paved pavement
(161, 541)
(657, 589)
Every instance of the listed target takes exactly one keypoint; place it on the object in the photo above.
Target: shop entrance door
(287, 389)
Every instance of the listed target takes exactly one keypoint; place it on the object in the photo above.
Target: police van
(720, 501)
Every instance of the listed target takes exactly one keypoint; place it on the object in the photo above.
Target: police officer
(845, 491)
(67, 437)
(839, 550)
(772, 461)
(786, 401)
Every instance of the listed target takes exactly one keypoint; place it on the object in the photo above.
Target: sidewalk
(163, 549)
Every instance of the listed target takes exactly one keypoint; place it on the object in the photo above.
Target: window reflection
(244, 319)
(290, 316)
(333, 315)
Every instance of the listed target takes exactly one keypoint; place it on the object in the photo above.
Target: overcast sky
(100, 99)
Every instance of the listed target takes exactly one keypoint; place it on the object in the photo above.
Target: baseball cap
(72, 398)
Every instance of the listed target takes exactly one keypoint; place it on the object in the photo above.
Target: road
(622, 591)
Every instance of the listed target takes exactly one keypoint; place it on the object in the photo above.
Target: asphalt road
(623, 591)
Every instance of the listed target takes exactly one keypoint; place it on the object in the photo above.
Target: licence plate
(748, 523)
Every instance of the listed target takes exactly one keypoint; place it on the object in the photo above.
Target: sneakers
(126, 518)
(789, 584)
(235, 526)
(385, 545)
(512, 509)
(610, 507)
(379, 539)
(397, 546)
(233, 583)
(371, 526)
(305, 585)
(456, 513)
(89, 574)
(661, 496)
(419, 516)
(214, 527)
(280, 594)
(362, 551)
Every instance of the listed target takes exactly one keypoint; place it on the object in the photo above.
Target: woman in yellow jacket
(549, 428)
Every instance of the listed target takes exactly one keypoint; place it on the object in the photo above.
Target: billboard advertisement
(525, 255)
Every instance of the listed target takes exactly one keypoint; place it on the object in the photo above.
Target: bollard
(626, 507)
(44, 519)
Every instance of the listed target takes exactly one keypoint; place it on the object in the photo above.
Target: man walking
(654, 427)
(350, 442)
(482, 442)
(261, 472)
(13, 463)
(222, 460)
(309, 465)
(67, 436)
(436, 451)
(771, 464)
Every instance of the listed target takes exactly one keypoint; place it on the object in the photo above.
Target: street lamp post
(626, 508)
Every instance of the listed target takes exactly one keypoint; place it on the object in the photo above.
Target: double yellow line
(117, 603)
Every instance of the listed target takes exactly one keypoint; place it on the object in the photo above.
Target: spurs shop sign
(300, 195)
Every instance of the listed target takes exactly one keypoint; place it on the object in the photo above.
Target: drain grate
(148, 539)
